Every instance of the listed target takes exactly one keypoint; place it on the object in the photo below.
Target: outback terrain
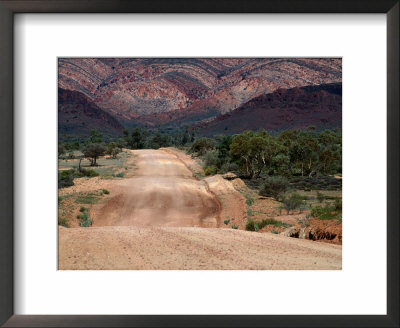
(200, 163)
(155, 209)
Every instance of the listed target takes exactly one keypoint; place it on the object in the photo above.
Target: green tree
(61, 150)
(281, 164)
(93, 151)
(121, 143)
(201, 146)
(138, 138)
(223, 148)
(328, 159)
(112, 149)
(185, 137)
(304, 152)
(96, 136)
(255, 151)
(159, 140)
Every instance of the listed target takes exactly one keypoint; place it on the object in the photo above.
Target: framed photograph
(218, 164)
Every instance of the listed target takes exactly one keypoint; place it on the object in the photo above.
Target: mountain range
(210, 94)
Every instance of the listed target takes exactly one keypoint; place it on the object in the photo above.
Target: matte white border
(360, 288)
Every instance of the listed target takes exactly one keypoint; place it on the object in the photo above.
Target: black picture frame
(10, 7)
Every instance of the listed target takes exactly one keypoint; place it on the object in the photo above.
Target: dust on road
(163, 192)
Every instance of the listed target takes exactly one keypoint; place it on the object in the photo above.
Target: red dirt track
(162, 217)
(162, 193)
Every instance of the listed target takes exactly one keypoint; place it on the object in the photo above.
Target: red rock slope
(78, 115)
(164, 90)
(300, 107)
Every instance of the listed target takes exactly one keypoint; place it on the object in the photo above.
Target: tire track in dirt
(177, 248)
(216, 200)
(163, 192)
(204, 181)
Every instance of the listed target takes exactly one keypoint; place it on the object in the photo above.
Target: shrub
(292, 202)
(320, 197)
(275, 232)
(303, 206)
(106, 192)
(273, 222)
(63, 221)
(211, 158)
(201, 146)
(87, 199)
(234, 226)
(338, 204)
(210, 170)
(85, 173)
(227, 222)
(316, 182)
(82, 209)
(112, 149)
(256, 227)
(229, 167)
(305, 222)
(66, 178)
(90, 173)
(250, 212)
(85, 220)
(274, 187)
(316, 211)
(249, 200)
(325, 213)
(250, 225)
(61, 150)
(119, 175)
(198, 175)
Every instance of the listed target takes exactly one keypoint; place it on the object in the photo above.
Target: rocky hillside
(157, 91)
(299, 107)
(78, 115)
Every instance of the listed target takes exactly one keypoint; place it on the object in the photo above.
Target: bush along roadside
(257, 225)
(84, 218)
(329, 211)
(66, 177)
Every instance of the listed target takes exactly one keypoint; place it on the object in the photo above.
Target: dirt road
(162, 217)
(163, 192)
(190, 248)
